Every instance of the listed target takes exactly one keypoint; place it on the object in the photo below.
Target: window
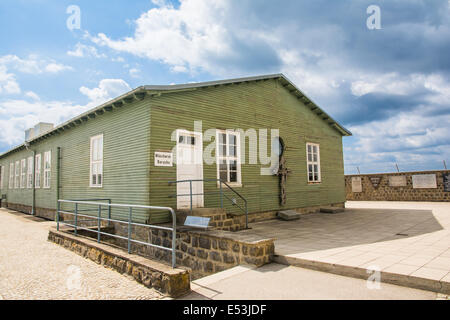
(11, 175)
(37, 172)
(17, 175)
(96, 167)
(23, 174)
(30, 173)
(228, 156)
(313, 162)
(47, 168)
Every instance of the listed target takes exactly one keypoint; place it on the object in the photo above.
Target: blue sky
(389, 86)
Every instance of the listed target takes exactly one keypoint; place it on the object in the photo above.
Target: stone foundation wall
(45, 213)
(204, 252)
(390, 193)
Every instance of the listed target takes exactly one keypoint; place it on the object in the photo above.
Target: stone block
(288, 215)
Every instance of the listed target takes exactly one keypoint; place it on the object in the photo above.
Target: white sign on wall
(163, 159)
(397, 181)
(422, 181)
(356, 184)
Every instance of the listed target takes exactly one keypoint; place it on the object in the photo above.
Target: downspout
(58, 168)
(33, 193)
(33, 208)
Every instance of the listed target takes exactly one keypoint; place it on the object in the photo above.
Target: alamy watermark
(374, 280)
(74, 277)
(264, 146)
(74, 20)
(373, 22)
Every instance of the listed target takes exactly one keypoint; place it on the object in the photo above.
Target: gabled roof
(140, 92)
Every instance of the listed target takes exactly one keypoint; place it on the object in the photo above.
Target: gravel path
(33, 268)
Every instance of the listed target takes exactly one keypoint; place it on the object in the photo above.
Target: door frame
(198, 147)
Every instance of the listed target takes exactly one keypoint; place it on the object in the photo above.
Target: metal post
(246, 215)
(76, 218)
(174, 238)
(190, 192)
(99, 222)
(129, 229)
(58, 206)
(221, 194)
(109, 209)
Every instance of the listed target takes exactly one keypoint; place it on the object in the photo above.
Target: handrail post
(174, 237)
(190, 192)
(76, 218)
(99, 222)
(246, 215)
(58, 209)
(109, 213)
(129, 229)
(221, 193)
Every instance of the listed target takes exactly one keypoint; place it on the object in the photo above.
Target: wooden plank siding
(262, 104)
(126, 135)
(134, 132)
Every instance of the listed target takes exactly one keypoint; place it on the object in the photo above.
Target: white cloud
(134, 72)
(33, 64)
(82, 50)
(8, 82)
(56, 67)
(20, 114)
(106, 90)
(183, 37)
(32, 95)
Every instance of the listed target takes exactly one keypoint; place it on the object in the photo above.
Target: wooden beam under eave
(128, 99)
(118, 104)
(85, 118)
(140, 95)
(78, 121)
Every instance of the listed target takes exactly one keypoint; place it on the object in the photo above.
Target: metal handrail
(220, 181)
(109, 219)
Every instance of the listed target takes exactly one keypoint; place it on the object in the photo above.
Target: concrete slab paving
(410, 239)
(280, 282)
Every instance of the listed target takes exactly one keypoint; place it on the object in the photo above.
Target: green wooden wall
(135, 131)
(125, 166)
(263, 104)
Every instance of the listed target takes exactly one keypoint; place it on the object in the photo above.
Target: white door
(189, 167)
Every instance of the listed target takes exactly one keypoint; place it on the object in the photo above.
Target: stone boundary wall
(402, 193)
(204, 252)
(152, 274)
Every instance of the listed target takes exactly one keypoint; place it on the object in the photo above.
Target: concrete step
(331, 209)
(288, 215)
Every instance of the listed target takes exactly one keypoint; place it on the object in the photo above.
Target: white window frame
(11, 175)
(47, 169)
(23, 173)
(312, 162)
(37, 172)
(30, 172)
(17, 174)
(97, 162)
(227, 157)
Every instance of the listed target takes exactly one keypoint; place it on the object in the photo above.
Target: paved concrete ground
(33, 268)
(407, 238)
(280, 282)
